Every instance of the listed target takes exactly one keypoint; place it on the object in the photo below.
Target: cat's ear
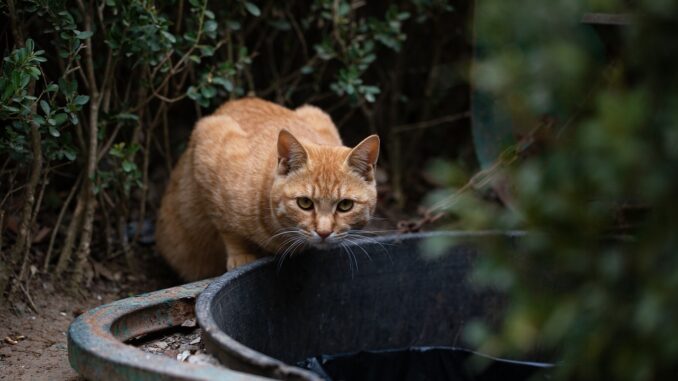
(291, 154)
(363, 158)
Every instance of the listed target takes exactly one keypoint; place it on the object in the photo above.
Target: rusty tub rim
(95, 339)
(240, 356)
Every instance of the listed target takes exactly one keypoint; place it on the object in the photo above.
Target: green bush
(99, 96)
(594, 279)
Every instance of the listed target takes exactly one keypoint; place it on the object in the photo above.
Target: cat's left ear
(363, 157)
(291, 154)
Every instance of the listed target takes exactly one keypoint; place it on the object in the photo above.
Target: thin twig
(29, 299)
(431, 123)
(180, 65)
(57, 224)
(166, 142)
(2, 228)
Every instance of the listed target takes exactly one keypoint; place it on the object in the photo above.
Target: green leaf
(206, 50)
(10, 108)
(25, 79)
(34, 72)
(169, 36)
(69, 153)
(192, 93)
(45, 107)
(54, 131)
(208, 91)
(252, 8)
(210, 26)
(52, 87)
(84, 35)
(226, 83)
(280, 25)
(233, 25)
(81, 100)
(126, 116)
(128, 166)
(60, 118)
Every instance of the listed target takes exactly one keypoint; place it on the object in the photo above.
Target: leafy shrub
(112, 88)
(595, 276)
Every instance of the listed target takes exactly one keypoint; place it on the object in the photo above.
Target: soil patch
(33, 344)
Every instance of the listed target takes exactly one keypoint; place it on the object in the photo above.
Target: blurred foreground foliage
(595, 278)
(97, 98)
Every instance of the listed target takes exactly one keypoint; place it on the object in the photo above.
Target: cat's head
(320, 193)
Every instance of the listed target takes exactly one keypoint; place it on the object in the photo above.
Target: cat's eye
(305, 203)
(345, 205)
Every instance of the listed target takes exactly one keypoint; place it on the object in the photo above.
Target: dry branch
(88, 191)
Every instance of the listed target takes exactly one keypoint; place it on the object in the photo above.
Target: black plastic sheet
(423, 363)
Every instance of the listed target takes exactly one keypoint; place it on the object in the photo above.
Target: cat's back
(263, 120)
(253, 113)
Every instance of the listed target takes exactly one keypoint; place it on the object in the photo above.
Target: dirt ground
(33, 344)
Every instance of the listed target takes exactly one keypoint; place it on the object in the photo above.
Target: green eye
(305, 203)
(345, 205)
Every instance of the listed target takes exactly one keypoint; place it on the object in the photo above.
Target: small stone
(161, 345)
(183, 356)
(186, 347)
(195, 341)
(202, 359)
(58, 347)
(190, 323)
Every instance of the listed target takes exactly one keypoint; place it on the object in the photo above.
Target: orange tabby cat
(258, 179)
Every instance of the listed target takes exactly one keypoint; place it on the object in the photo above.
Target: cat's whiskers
(293, 238)
(292, 244)
(355, 243)
(359, 238)
(352, 260)
(346, 250)
(279, 233)
(287, 242)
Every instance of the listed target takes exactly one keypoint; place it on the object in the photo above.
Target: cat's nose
(323, 234)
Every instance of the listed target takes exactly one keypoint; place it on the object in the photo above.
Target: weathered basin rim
(247, 356)
(97, 352)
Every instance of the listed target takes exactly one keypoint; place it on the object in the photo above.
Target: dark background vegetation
(105, 93)
(574, 125)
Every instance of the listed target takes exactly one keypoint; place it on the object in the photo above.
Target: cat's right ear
(291, 154)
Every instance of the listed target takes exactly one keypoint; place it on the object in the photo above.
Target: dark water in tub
(423, 363)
